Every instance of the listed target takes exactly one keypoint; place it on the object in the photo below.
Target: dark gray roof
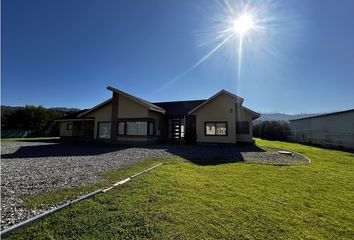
(179, 108)
(72, 115)
(322, 115)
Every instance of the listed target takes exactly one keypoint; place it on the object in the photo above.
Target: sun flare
(243, 24)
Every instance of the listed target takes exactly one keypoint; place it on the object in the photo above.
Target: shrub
(272, 130)
(37, 120)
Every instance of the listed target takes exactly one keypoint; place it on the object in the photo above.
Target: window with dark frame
(151, 129)
(69, 126)
(242, 127)
(104, 130)
(136, 128)
(216, 128)
(121, 128)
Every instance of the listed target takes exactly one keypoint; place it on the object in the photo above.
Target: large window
(104, 130)
(136, 128)
(216, 128)
(242, 127)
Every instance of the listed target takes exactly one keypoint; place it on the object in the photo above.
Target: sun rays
(233, 27)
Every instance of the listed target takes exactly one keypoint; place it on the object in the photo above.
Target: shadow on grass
(197, 154)
(213, 154)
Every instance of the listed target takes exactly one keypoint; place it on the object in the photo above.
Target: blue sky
(65, 53)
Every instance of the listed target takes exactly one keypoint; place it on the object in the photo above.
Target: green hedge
(272, 130)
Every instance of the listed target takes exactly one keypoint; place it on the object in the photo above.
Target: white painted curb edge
(13, 228)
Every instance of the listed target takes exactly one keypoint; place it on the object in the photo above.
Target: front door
(176, 129)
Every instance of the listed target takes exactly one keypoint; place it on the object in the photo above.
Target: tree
(39, 120)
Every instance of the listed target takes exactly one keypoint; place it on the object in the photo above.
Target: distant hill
(60, 109)
(283, 116)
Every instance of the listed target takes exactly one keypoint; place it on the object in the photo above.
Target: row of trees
(272, 130)
(38, 120)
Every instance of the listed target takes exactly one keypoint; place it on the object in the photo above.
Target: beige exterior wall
(245, 116)
(126, 109)
(158, 117)
(63, 132)
(101, 114)
(130, 109)
(222, 108)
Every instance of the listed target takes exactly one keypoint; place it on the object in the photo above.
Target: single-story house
(330, 130)
(128, 119)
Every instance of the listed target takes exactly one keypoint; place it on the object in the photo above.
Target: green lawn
(184, 200)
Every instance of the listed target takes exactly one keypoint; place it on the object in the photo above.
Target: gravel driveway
(29, 168)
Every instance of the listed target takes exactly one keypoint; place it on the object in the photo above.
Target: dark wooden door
(176, 129)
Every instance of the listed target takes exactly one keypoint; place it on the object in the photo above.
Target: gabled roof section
(94, 108)
(179, 108)
(140, 101)
(240, 99)
(255, 114)
(71, 116)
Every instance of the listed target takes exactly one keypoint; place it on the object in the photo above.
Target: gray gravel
(28, 168)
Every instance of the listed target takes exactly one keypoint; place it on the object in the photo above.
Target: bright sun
(243, 24)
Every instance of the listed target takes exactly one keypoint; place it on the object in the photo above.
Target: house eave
(255, 114)
(94, 108)
(142, 102)
(240, 99)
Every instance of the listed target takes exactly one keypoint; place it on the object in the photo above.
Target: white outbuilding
(329, 130)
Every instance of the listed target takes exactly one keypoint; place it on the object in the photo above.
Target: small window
(242, 127)
(221, 129)
(210, 128)
(69, 126)
(104, 130)
(216, 128)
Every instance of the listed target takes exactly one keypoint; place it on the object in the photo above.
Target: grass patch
(57, 196)
(185, 200)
